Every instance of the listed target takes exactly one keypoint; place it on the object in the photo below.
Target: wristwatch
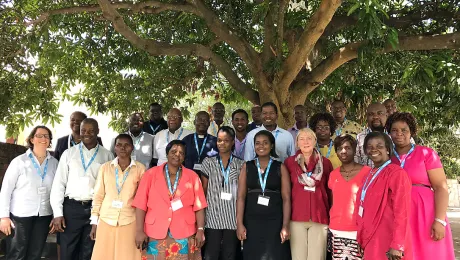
(201, 228)
(442, 222)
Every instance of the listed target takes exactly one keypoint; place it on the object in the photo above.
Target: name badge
(118, 204)
(41, 190)
(311, 189)
(263, 200)
(176, 204)
(225, 196)
(360, 211)
(197, 166)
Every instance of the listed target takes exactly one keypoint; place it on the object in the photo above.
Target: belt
(81, 202)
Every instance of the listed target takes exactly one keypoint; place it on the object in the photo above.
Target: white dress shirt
(284, 144)
(161, 141)
(143, 148)
(71, 179)
(20, 189)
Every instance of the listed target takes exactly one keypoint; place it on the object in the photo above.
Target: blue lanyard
(168, 180)
(241, 147)
(137, 140)
(338, 132)
(366, 185)
(328, 150)
(92, 157)
(154, 130)
(225, 172)
(276, 134)
(123, 181)
(34, 163)
(200, 152)
(403, 162)
(263, 183)
(214, 130)
(178, 137)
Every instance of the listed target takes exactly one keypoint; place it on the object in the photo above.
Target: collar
(240, 142)
(274, 131)
(84, 147)
(295, 127)
(29, 151)
(327, 145)
(139, 136)
(115, 162)
(177, 131)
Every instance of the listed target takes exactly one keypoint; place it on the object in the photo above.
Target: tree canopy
(127, 54)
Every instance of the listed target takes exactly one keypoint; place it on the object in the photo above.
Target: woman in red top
(309, 172)
(385, 203)
(344, 183)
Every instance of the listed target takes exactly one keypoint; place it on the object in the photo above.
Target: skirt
(117, 243)
(343, 245)
(172, 249)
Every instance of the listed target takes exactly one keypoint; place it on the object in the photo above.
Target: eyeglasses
(323, 127)
(173, 117)
(41, 136)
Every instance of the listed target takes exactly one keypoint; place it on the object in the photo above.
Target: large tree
(272, 50)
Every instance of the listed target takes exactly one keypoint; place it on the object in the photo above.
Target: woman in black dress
(264, 204)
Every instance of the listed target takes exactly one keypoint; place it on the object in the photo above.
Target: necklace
(347, 172)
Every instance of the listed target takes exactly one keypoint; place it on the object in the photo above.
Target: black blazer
(63, 144)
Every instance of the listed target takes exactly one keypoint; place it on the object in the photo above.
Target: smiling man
(240, 124)
(218, 114)
(284, 143)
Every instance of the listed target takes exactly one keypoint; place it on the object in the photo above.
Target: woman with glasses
(25, 209)
(324, 126)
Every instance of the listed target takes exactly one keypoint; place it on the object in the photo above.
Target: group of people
(324, 188)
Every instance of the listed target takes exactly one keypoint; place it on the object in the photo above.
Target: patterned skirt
(172, 249)
(343, 248)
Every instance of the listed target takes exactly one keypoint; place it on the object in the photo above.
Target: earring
(388, 152)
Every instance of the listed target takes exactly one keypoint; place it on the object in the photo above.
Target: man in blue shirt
(283, 139)
(256, 112)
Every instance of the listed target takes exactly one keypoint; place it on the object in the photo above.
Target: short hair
(228, 130)
(314, 120)
(338, 101)
(340, 140)
(306, 130)
(175, 142)
(272, 140)
(240, 111)
(81, 113)
(384, 136)
(124, 136)
(91, 121)
(270, 104)
(34, 131)
(218, 103)
(155, 104)
(406, 117)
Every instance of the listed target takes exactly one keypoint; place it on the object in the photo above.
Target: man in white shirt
(143, 141)
(174, 132)
(284, 143)
(72, 192)
(218, 114)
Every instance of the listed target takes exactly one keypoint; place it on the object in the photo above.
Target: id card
(197, 166)
(311, 189)
(41, 190)
(176, 204)
(225, 196)
(118, 204)
(263, 200)
(360, 211)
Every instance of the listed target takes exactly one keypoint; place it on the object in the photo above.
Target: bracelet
(442, 222)
(201, 228)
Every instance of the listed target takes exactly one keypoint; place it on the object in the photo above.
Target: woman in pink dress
(431, 233)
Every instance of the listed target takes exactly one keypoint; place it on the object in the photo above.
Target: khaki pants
(308, 241)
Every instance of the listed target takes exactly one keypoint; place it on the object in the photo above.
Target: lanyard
(225, 172)
(276, 134)
(92, 157)
(45, 170)
(328, 150)
(242, 145)
(214, 130)
(200, 152)
(263, 183)
(403, 162)
(123, 181)
(156, 129)
(366, 185)
(137, 140)
(172, 190)
(71, 141)
(178, 137)
(338, 132)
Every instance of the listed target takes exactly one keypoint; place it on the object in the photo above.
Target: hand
(241, 232)
(394, 254)
(59, 224)
(285, 234)
(199, 238)
(141, 237)
(92, 234)
(52, 228)
(5, 226)
(438, 231)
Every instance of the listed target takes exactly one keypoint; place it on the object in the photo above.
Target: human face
(41, 139)
(377, 151)
(256, 113)
(390, 106)
(346, 152)
(300, 114)
(176, 155)
(339, 111)
(224, 142)
(262, 146)
(174, 119)
(88, 133)
(269, 116)
(306, 142)
(136, 123)
(123, 148)
(400, 133)
(75, 122)
(155, 113)
(323, 130)
(240, 122)
(202, 123)
(218, 112)
(376, 116)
